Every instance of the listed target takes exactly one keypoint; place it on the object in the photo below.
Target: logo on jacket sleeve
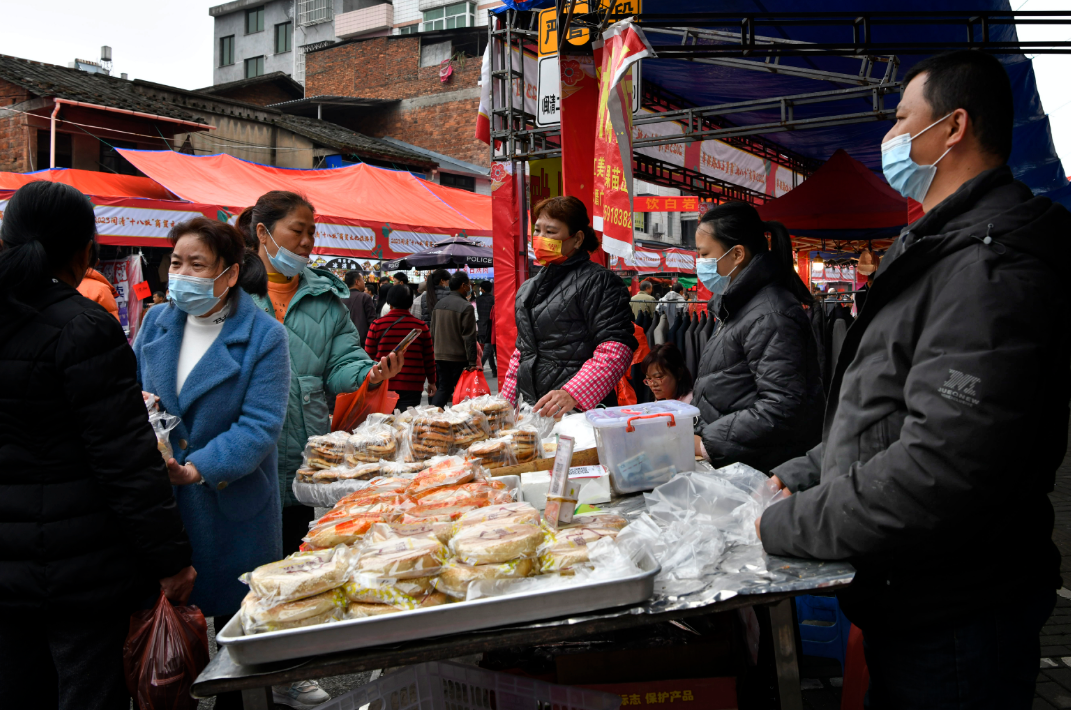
(960, 388)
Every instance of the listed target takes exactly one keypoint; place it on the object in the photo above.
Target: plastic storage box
(452, 686)
(644, 445)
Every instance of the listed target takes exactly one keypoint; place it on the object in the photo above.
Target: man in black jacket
(362, 308)
(948, 413)
(484, 303)
(453, 332)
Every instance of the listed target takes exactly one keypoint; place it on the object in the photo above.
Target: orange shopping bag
(352, 409)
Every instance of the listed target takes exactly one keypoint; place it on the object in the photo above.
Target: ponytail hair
(739, 223)
(245, 226)
(46, 224)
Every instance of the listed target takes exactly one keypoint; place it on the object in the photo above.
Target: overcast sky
(170, 42)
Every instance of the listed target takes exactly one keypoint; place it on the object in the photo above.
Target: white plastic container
(645, 445)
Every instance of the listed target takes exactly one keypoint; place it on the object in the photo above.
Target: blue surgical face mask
(285, 261)
(706, 268)
(905, 175)
(193, 294)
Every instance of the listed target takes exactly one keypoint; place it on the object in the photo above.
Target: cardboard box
(698, 693)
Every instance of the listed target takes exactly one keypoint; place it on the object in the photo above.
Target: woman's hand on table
(386, 368)
(180, 475)
(556, 403)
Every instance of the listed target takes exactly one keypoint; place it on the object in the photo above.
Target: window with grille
(254, 20)
(299, 59)
(283, 34)
(460, 14)
(226, 51)
(313, 12)
(463, 182)
(254, 67)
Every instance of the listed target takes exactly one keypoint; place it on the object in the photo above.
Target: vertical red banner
(510, 265)
(579, 106)
(621, 47)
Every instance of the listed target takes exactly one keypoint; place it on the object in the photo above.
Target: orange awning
(358, 192)
(91, 183)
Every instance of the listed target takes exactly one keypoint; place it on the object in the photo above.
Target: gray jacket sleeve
(968, 396)
(802, 472)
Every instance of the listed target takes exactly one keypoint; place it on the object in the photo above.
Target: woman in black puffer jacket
(575, 335)
(88, 522)
(759, 388)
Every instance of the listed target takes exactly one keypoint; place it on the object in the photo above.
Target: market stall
(362, 212)
(416, 564)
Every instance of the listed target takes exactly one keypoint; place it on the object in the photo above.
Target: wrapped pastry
(326, 451)
(402, 558)
(401, 468)
(598, 521)
(359, 610)
(565, 548)
(385, 504)
(441, 531)
(524, 442)
(258, 617)
(494, 543)
(438, 475)
(493, 453)
(377, 487)
(301, 575)
(345, 531)
(376, 418)
(400, 593)
(370, 444)
(508, 513)
(497, 410)
(455, 577)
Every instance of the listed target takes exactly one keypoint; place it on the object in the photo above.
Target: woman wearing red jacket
(387, 331)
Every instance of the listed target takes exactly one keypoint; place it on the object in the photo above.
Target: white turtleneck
(197, 338)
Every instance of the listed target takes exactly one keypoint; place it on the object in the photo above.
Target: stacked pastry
(301, 590)
(326, 451)
(371, 444)
(496, 542)
(395, 574)
(496, 409)
(524, 443)
(493, 453)
(567, 547)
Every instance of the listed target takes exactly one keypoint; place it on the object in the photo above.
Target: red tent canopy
(843, 194)
(358, 192)
(90, 183)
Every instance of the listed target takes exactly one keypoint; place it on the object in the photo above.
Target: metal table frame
(222, 675)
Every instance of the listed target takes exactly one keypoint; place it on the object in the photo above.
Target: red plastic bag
(352, 409)
(471, 384)
(165, 651)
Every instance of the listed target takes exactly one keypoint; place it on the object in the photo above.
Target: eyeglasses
(655, 379)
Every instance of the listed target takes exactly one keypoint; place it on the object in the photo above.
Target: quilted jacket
(759, 389)
(563, 314)
(325, 356)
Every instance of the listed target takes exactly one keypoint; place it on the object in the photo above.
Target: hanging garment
(682, 332)
(840, 329)
(674, 329)
(661, 331)
(649, 331)
(703, 337)
(689, 344)
(816, 315)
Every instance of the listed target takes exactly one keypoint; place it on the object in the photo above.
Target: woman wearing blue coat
(221, 364)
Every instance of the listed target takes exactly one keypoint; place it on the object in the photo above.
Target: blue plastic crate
(823, 627)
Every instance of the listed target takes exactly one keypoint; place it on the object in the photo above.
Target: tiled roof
(347, 141)
(283, 79)
(47, 80)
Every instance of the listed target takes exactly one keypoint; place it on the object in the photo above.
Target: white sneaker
(303, 695)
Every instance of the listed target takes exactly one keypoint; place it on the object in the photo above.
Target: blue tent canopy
(1033, 158)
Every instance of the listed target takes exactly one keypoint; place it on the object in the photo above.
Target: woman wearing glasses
(665, 373)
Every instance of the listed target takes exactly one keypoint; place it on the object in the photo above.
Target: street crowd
(923, 458)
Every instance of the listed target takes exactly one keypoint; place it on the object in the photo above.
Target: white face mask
(905, 175)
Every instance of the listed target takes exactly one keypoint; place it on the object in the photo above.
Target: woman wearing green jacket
(325, 354)
(325, 351)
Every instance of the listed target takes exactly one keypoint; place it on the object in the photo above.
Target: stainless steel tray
(436, 621)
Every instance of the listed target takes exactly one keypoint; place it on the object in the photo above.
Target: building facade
(257, 37)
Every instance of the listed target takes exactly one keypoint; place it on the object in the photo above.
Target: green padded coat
(325, 356)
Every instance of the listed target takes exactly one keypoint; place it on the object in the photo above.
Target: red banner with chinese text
(621, 46)
(650, 203)
(579, 108)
